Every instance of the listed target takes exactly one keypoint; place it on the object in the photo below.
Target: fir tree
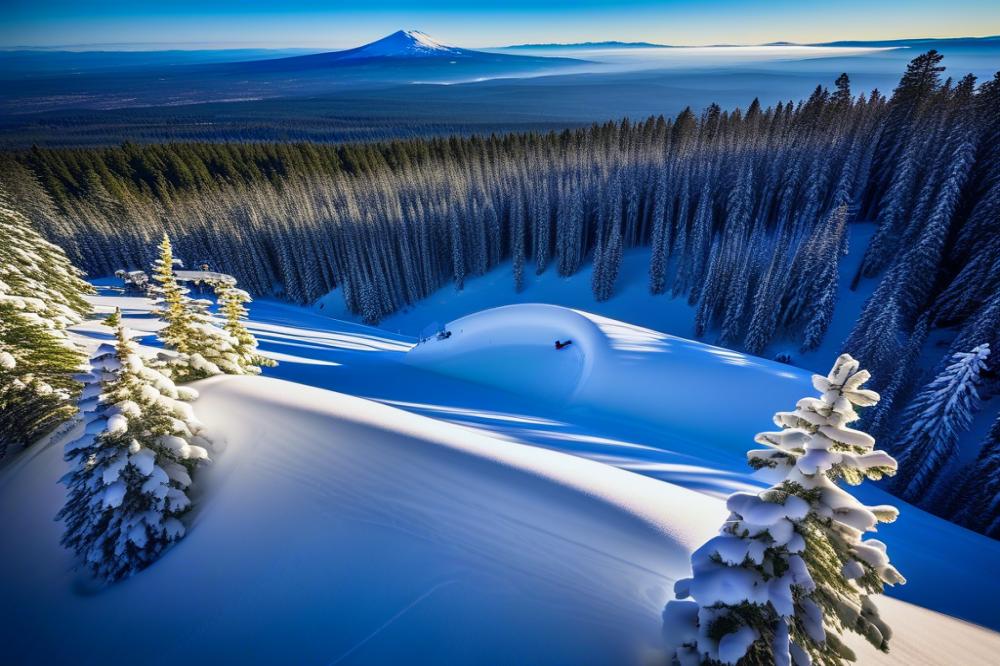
(202, 348)
(979, 499)
(210, 349)
(232, 306)
(171, 298)
(41, 294)
(130, 470)
(935, 419)
(789, 571)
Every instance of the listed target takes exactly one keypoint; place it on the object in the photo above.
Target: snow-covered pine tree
(210, 349)
(232, 306)
(457, 247)
(827, 281)
(41, 294)
(660, 240)
(130, 469)
(900, 385)
(203, 349)
(171, 298)
(517, 250)
(935, 419)
(978, 502)
(789, 570)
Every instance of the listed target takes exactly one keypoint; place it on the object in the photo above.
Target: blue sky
(335, 24)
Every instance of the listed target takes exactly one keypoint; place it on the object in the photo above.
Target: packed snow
(479, 497)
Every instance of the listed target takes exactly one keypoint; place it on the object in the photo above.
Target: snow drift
(612, 367)
(340, 530)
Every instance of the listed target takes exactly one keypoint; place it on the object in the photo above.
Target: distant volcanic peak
(404, 44)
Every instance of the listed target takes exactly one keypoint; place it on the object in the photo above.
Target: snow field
(335, 529)
(611, 367)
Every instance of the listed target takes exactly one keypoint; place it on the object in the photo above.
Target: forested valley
(745, 214)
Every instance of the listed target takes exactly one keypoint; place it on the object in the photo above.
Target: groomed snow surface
(483, 498)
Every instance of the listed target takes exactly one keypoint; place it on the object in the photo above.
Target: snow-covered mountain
(403, 56)
(410, 47)
(404, 44)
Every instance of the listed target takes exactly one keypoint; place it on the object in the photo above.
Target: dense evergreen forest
(745, 213)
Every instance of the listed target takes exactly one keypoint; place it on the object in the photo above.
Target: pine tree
(210, 349)
(232, 306)
(935, 419)
(826, 274)
(789, 570)
(130, 470)
(41, 294)
(171, 298)
(979, 499)
(660, 238)
(202, 348)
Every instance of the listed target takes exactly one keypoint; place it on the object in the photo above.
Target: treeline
(168, 170)
(716, 196)
(744, 211)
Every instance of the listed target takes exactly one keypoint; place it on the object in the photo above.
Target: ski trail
(388, 622)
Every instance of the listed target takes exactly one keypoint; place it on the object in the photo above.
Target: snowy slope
(337, 530)
(442, 518)
(636, 427)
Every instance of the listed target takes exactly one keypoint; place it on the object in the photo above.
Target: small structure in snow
(784, 357)
(207, 277)
(201, 279)
(135, 281)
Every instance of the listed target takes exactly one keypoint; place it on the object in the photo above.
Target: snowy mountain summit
(404, 44)
(405, 50)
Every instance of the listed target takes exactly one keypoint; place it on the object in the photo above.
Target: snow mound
(334, 529)
(514, 348)
(612, 367)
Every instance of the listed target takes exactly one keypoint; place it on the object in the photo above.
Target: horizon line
(230, 45)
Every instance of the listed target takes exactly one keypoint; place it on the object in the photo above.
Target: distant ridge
(897, 42)
(589, 45)
(870, 43)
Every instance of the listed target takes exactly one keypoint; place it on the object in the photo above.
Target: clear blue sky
(335, 24)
